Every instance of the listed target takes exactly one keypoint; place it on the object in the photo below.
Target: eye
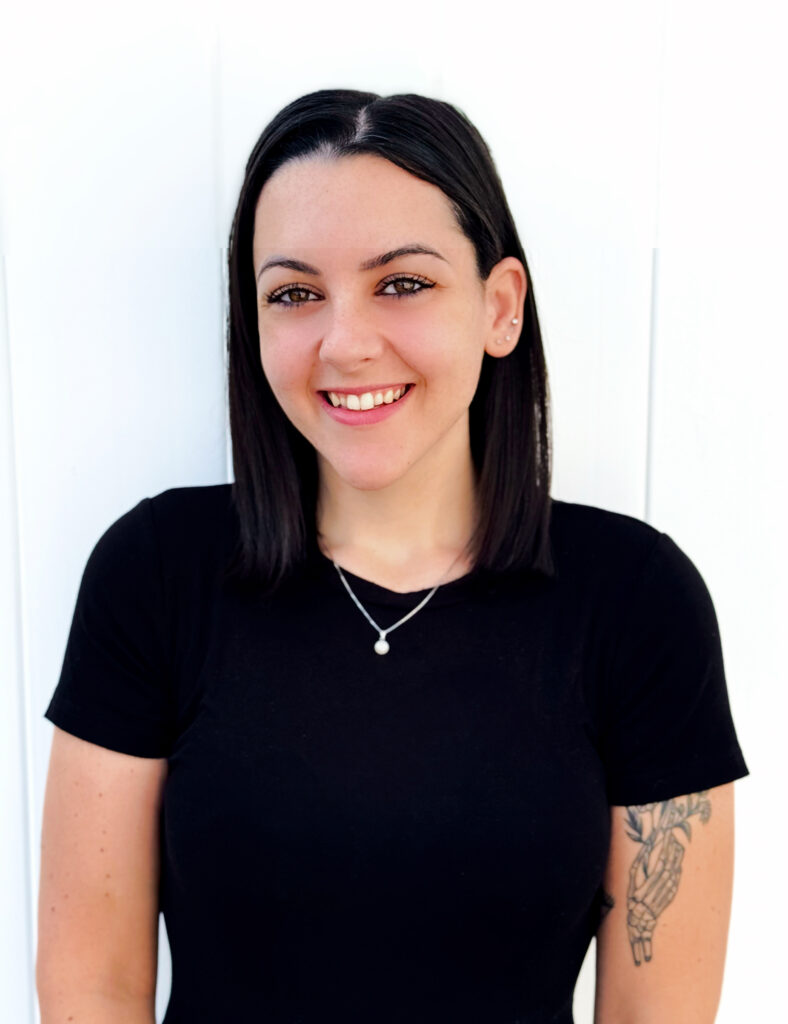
(291, 295)
(412, 285)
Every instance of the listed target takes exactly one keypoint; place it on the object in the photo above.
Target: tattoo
(655, 872)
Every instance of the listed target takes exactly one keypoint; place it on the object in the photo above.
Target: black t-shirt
(418, 836)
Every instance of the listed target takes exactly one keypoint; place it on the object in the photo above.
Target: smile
(366, 399)
(364, 408)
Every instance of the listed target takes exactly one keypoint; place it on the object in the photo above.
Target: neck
(405, 535)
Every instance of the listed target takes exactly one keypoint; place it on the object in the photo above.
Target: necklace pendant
(382, 646)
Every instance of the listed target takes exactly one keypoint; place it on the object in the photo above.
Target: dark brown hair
(275, 467)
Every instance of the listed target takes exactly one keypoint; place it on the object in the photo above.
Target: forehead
(362, 204)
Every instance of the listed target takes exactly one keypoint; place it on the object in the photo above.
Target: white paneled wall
(718, 481)
(640, 150)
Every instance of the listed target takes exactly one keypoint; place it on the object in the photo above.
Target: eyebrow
(414, 248)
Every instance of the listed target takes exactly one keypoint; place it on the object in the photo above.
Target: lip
(363, 417)
(368, 387)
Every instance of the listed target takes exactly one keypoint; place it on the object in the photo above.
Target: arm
(668, 884)
(98, 895)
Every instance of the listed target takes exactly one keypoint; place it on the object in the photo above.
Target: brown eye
(291, 296)
(296, 292)
(406, 285)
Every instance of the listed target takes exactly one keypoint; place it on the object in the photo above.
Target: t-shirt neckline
(371, 593)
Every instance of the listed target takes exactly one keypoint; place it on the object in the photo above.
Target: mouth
(360, 401)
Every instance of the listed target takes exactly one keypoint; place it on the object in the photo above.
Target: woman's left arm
(668, 885)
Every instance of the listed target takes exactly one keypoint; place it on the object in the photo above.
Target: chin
(368, 481)
(368, 477)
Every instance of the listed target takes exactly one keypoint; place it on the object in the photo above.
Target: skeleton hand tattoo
(656, 870)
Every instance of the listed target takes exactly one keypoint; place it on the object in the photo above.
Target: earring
(499, 341)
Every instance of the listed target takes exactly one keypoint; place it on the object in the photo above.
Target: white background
(642, 147)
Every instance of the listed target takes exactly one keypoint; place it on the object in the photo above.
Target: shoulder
(589, 541)
(193, 520)
(198, 505)
(184, 510)
(645, 596)
(171, 535)
(619, 558)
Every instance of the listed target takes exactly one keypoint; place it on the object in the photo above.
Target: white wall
(642, 151)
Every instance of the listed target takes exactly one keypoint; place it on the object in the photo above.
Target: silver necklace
(381, 644)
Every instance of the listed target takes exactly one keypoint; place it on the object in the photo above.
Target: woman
(385, 731)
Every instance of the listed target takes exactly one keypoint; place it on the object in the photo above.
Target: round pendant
(381, 646)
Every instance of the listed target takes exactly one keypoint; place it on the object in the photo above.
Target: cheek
(284, 362)
(427, 343)
(448, 356)
(445, 337)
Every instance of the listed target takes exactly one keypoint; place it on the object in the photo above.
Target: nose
(351, 337)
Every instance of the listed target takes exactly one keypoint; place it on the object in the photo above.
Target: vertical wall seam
(650, 400)
(219, 230)
(648, 496)
(25, 698)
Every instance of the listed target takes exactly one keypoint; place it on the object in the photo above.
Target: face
(346, 323)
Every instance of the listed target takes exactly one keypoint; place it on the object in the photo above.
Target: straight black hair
(275, 488)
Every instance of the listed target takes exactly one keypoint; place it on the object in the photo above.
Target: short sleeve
(669, 729)
(115, 683)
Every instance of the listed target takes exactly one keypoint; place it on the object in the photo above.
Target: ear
(505, 290)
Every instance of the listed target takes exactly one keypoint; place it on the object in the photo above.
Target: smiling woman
(358, 824)
(413, 321)
(360, 217)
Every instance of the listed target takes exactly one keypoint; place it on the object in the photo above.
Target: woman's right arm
(98, 911)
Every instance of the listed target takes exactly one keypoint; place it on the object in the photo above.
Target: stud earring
(499, 341)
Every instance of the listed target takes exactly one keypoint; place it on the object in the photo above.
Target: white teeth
(367, 400)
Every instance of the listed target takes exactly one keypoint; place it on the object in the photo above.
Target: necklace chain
(382, 645)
